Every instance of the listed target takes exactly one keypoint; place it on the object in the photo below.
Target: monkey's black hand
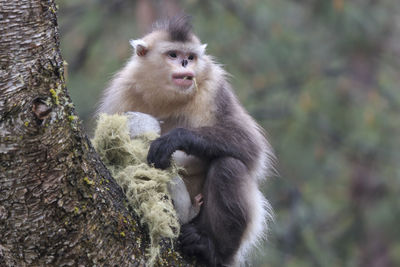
(162, 148)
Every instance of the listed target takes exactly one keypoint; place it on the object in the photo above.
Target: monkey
(171, 77)
(185, 208)
(140, 123)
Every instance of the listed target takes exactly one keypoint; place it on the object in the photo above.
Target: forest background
(322, 77)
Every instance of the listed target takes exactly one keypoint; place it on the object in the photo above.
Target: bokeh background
(321, 76)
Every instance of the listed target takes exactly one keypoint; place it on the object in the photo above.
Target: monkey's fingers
(160, 153)
(153, 156)
(198, 200)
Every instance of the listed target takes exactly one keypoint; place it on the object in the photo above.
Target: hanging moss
(144, 186)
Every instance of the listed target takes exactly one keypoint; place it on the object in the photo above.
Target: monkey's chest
(170, 124)
(189, 121)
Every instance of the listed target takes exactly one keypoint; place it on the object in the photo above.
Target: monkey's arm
(205, 142)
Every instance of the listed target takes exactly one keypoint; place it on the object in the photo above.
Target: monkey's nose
(184, 63)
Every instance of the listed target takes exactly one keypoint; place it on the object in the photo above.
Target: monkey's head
(170, 61)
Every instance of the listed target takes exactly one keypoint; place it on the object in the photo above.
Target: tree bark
(58, 204)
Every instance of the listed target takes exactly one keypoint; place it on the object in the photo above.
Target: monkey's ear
(140, 47)
(203, 48)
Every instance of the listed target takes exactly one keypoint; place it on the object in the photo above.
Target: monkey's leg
(217, 233)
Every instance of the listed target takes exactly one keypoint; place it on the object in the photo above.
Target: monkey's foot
(195, 243)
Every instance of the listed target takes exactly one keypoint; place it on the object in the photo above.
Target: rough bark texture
(58, 204)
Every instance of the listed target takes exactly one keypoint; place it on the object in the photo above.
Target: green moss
(144, 186)
(72, 118)
(88, 181)
(55, 96)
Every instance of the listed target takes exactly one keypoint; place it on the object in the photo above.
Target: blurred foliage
(321, 76)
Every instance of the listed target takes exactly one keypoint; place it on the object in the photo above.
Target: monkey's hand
(198, 201)
(195, 208)
(163, 147)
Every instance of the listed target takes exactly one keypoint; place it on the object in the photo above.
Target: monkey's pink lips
(184, 79)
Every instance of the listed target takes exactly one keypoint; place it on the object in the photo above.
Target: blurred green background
(322, 77)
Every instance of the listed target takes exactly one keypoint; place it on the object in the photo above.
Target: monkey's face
(169, 72)
(181, 63)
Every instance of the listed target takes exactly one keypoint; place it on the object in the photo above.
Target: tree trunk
(58, 204)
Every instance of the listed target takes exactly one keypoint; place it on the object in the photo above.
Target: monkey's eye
(172, 54)
(191, 57)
